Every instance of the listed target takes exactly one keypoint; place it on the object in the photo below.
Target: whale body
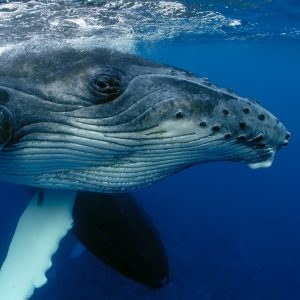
(81, 120)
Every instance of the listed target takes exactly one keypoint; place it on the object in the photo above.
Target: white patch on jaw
(264, 164)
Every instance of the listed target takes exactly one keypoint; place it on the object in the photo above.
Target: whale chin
(263, 164)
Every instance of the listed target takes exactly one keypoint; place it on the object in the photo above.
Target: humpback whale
(101, 121)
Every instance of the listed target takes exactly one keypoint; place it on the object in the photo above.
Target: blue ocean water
(229, 232)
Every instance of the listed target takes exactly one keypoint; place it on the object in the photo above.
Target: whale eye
(105, 87)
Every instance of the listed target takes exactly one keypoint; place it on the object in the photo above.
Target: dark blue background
(230, 232)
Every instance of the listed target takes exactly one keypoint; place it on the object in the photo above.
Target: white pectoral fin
(45, 221)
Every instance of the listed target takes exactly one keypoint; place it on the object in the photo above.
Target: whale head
(100, 120)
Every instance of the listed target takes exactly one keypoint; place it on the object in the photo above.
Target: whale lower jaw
(122, 161)
(118, 162)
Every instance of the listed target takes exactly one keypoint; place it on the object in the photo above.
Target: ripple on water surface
(148, 20)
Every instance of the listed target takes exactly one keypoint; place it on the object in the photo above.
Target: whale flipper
(45, 221)
(112, 227)
(116, 230)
